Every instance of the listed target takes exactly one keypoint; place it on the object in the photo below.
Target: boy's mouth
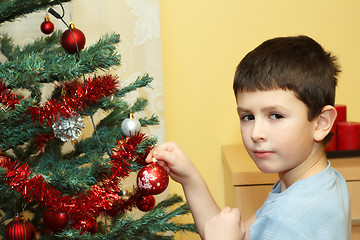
(262, 153)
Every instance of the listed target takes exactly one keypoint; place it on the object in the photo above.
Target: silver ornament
(130, 125)
(68, 128)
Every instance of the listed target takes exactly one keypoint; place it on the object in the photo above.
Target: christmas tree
(71, 187)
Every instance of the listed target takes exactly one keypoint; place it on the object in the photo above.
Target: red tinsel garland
(7, 97)
(76, 97)
(101, 197)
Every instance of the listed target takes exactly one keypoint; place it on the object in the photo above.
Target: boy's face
(275, 129)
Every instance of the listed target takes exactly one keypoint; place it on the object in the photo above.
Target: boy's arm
(181, 169)
(248, 225)
(202, 205)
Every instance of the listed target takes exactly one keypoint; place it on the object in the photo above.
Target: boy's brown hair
(298, 64)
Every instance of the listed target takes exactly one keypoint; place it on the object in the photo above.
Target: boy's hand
(175, 161)
(181, 169)
(225, 226)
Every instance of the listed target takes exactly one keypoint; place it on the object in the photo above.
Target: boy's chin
(265, 167)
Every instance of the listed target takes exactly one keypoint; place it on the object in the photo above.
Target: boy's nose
(258, 132)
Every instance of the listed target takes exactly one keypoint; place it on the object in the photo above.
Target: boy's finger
(149, 157)
(165, 156)
(169, 147)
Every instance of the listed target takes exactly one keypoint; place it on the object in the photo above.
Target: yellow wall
(202, 43)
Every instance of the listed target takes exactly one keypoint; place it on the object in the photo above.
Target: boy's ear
(324, 122)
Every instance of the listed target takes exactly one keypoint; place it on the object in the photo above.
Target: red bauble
(30, 230)
(145, 203)
(152, 179)
(87, 225)
(19, 229)
(54, 220)
(68, 42)
(47, 27)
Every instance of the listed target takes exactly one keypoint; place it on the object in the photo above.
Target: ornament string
(58, 16)
(107, 149)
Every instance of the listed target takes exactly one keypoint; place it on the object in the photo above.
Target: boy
(285, 93)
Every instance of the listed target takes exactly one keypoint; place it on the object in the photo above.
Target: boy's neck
(315, 163)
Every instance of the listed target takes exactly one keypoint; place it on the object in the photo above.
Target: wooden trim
(355, 221)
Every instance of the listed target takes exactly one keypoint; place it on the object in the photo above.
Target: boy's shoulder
(310, 192)
(308, 206)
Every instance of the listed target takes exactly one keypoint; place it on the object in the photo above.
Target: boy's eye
(276, 116)
(247, 117)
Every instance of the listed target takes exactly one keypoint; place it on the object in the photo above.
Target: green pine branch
(9, 198)
(156, 224)
(7, 46)
(140, 82)
(31, 68)
(11, 10)
(48, 45)
(16, 126)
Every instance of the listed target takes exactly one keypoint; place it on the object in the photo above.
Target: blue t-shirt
(317, 207)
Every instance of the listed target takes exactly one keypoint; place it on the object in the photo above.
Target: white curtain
(138, 23)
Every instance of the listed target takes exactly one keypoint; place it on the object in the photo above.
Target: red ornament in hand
(145, 203)
(54, 220)
(152, 179)
(68, 42)
(19, 229)
(47, 27)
